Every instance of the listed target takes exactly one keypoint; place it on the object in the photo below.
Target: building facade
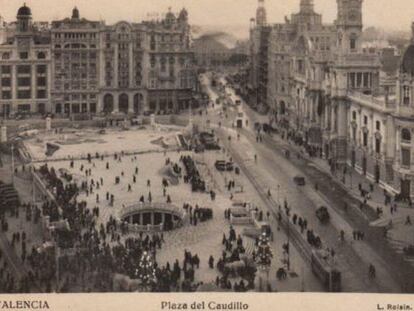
(331, 94)
(84, 67)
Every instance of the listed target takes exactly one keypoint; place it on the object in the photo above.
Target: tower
(306, 6)
(24, 19)
(261, 14)
(349, 25)
(75, 13)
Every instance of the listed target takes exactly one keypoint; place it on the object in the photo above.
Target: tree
(145, 271)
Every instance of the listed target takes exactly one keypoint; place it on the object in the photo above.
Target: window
(6, 82)
(41, 55)
(152, 105)
(406, 95)
(378, 125)
(352, 79)
(41, 69)
(152, 61)
(353, 41)
(366, 79)
(353, 115)
(377, 145)
(5, 55)
(406, 157)
(365, 139)
(405, 135)
(5, 69)
(23, 81)
(92, 107)
(23, 94)
(58, 108)
(41, 94)
(24, 55)
(6, 94)
(23, 69)
(365, 120)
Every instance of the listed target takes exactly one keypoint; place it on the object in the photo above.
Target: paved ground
(80, 142)
(203, 239)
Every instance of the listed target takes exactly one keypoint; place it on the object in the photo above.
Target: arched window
(108, 103)
(406, 95)
(406, 135)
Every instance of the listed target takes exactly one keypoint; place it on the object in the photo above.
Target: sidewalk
(399, 232)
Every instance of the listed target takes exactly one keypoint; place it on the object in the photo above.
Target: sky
(388, 14)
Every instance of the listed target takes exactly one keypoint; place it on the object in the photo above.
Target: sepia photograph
(232, 146)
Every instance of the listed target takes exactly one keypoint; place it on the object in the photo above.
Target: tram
(330, 276)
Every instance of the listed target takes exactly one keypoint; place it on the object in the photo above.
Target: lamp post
(12, 158)
(278, 195)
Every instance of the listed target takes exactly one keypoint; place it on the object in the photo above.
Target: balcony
(374, 102)
(299, 77)
(354, 60)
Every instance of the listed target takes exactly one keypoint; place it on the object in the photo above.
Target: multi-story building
(75, 65)
(324, 87)
(78, 66)
(25, 68)
(259, 53)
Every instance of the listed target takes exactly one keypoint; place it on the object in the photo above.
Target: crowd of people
(192, 174)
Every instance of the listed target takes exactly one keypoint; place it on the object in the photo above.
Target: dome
(170, 17)
(407, 64)
(24, 11)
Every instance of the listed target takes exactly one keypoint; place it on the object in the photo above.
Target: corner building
(326, 91)
(88, 67)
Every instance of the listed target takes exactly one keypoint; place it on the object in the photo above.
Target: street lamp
(278, 195)
(12, 156)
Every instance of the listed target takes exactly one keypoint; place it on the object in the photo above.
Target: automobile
(220, 165)
(299, 180)
(229, 166)
(322, 214)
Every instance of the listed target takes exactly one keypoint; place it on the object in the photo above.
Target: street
(274, 172)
